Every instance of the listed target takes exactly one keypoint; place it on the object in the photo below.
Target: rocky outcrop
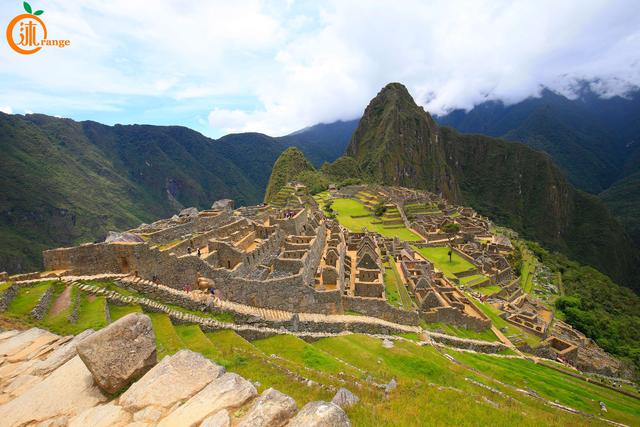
(48, 385)
(174, 379)
(344, 398)
(272, 408)
(121, 353)
(222, 205)
(124, 237)
(226, 392)
(320, 414)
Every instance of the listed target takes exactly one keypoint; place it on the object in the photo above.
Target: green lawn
(92, 313)
(488, 290)
(529, 264)
(476, 278)
(27, 298)
(345, 209)
(440, 258)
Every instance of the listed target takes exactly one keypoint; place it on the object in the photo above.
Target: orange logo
(27, 34)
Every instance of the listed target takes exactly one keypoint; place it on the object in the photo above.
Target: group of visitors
(190, 250)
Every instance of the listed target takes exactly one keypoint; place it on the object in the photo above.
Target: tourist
(198, 252)
(189, 250)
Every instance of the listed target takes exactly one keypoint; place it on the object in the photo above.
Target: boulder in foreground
(320, 414)
(121, 353)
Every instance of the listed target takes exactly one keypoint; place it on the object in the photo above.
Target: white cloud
(275, 67)
(6, 109)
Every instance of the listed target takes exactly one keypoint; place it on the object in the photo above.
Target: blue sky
(278, 66)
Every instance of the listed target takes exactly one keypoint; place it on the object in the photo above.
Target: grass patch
(488, 290)
(27, 298)
(238, 355)
(395, 290)
(346, 209)
(555, 386)
(167, 340)
(439, 256)
(298, 351)
(194, 339)
(118, 311)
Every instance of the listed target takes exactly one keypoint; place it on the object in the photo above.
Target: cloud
(276, 67)
(6, 109)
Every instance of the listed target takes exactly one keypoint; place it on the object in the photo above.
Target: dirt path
(62, 302)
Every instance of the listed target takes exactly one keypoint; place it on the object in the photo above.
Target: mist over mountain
(594, 140)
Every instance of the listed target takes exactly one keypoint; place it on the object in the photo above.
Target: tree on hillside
(379, 209)
(451, 228)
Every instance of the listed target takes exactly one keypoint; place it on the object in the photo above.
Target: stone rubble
(48, 384)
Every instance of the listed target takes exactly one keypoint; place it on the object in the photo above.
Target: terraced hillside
(401, 381)
(357, 215)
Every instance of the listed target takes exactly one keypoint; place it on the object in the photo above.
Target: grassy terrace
(513, 332)
(440, 258)
(395, 291)
(432, 390)
(346, 209)
(529, 264)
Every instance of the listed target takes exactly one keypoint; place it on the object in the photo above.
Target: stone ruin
(112, 378)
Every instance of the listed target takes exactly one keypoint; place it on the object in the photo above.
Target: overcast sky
(278, 66)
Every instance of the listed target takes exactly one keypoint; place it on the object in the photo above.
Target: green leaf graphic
(27, 7)
(38, 12)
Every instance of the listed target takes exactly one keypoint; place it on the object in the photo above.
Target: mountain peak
(393, 126)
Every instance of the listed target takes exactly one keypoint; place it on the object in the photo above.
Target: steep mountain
(595, 140)
(589, 137)
(397, 143)
(323, 142)
(289, 165)
(67, 182)
(623, 199)
(509, 182)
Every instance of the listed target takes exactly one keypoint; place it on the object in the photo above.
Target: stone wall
(454, 316)
(376, 307)
(168, 234)
(7, 296)
(42, 307)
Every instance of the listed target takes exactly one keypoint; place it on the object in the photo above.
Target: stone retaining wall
(455, 317)
(42, 307)
(7, 296)
(376, 307)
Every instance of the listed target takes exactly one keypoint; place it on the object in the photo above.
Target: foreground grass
(555, 386)
(118, 311)
(167, 340)
(432, 390)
